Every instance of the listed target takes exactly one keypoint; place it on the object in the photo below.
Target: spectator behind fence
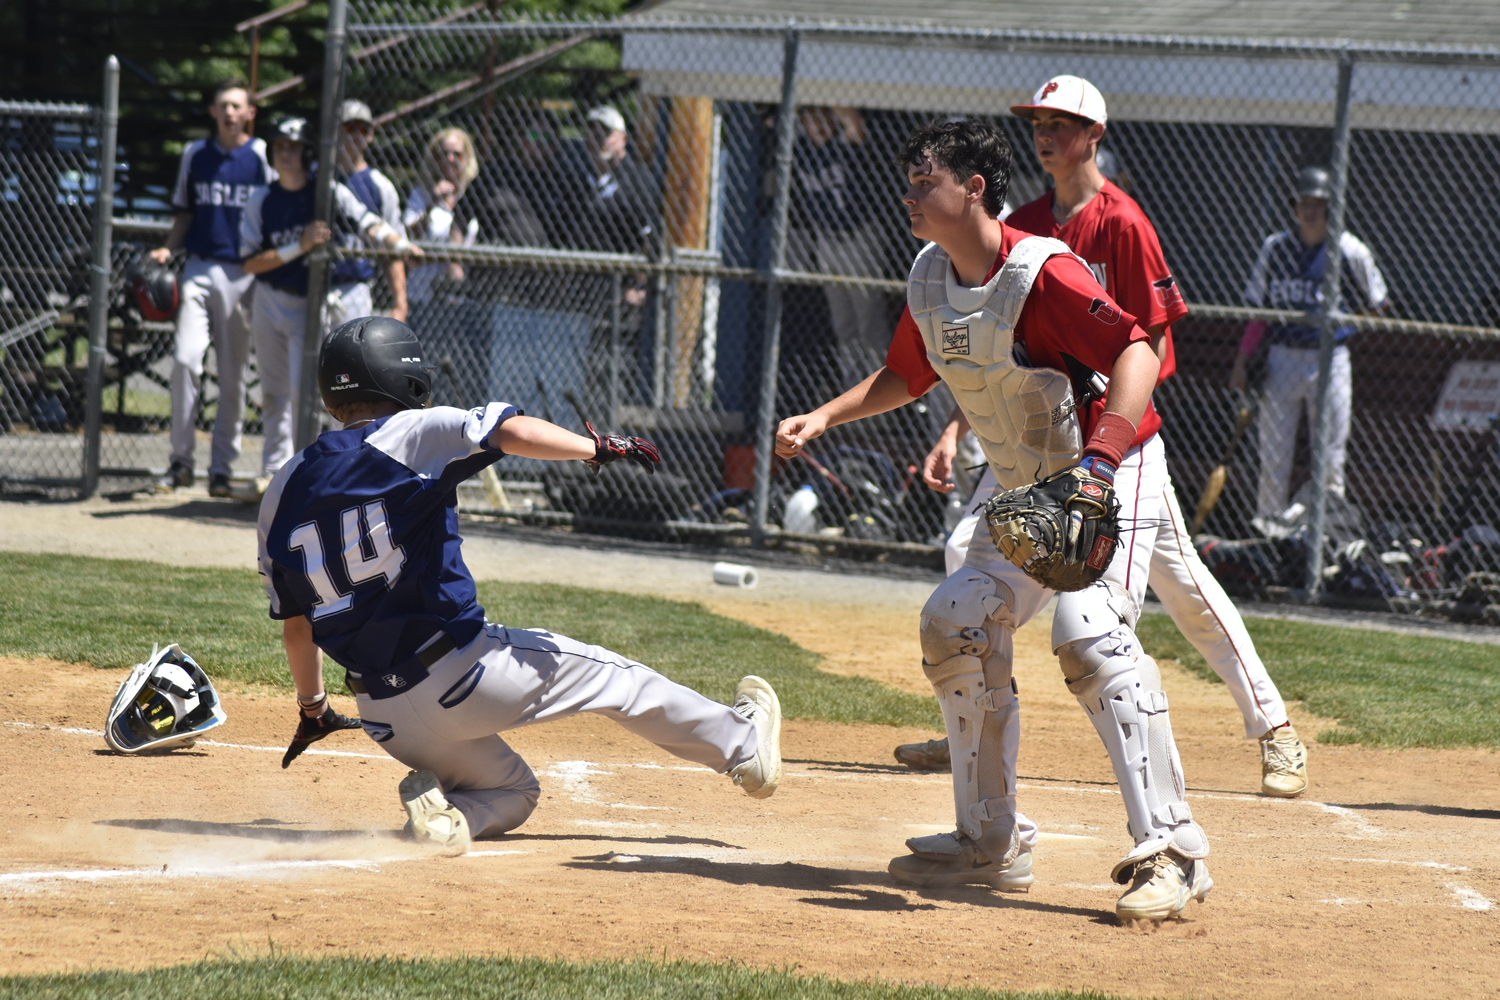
(434, 213)
(514, 198)
(277, 230)
(615, 197)
(214, 180)
(351, 278)
(1288, 274)
(834, 232)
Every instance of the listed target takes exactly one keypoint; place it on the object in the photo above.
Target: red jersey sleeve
(907, 356)
(1068, 313)
(1144, 284)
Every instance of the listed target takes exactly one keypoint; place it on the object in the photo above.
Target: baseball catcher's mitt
(1061, 531)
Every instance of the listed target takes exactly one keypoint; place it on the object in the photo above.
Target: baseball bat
(1216, 479)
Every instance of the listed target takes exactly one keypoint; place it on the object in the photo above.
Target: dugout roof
(1271, 62)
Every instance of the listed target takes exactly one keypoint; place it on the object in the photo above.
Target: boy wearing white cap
(1105, 227)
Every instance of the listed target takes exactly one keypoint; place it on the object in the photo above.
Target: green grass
(1386, 690)
(108, 612)
(293, 978)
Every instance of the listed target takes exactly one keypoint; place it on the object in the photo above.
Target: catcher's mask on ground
(165, 703)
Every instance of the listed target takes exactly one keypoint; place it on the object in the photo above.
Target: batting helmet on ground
(153, 286)
(374, 359)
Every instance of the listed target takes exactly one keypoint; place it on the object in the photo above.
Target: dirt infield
(1379, 885)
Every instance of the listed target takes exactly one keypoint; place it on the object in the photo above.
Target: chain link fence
(47, 190)
(673, 282)
(690, 230)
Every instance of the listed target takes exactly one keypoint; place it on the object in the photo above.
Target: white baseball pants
(508, 678)
(214, 298)
(1197, 603)
(1138, 486)
(277, 322)
(1292, 389)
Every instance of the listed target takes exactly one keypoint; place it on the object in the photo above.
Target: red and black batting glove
(614, 447)
(310, 731)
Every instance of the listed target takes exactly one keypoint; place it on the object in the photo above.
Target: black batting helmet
(298, 130)
(374, 359)
(1314, 182)
(154, 288)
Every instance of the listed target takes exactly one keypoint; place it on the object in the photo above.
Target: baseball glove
(310, 731)
(613, 447)
(1061, 532)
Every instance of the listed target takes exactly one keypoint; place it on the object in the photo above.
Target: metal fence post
(1328, 317)
(309, 400)
(765, 420)
(104, 211)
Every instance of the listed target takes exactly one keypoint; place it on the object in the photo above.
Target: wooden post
(688, 182)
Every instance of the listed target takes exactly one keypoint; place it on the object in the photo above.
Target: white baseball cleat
(1161, 887)
(930, 756)
(432, 818)
(946, 860)
(757, 701)
(1283, 763)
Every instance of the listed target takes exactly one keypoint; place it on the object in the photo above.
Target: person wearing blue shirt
(277, 230)
(352, 276)
(1288, 274)
(360, 554)
(214, 182)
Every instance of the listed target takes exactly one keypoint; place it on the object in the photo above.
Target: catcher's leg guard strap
(1120, 689)
(967, 626)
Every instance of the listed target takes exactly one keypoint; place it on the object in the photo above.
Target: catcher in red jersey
(1103, 225)
(1011, 324)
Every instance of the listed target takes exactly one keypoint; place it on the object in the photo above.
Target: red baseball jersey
(1066, 313)
(1119, 243)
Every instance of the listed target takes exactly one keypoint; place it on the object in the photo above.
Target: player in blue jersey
(276, 231)
(359, 550)
(352, 277)
(214, 182)
(1288, 274)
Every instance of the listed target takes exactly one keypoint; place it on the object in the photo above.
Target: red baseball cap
(1072, 94)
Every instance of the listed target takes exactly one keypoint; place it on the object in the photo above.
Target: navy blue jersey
(376, 192)
(1289, 275)
(215, 186)
(359, 532)
(274, 217)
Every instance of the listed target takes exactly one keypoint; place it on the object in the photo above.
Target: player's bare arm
(529, 437)
(181, 222)
(305, 661)
(1132, 380)
(882, 391)
(937, 468)
(269, 260)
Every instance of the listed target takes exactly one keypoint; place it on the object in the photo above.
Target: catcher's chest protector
(1023, 417)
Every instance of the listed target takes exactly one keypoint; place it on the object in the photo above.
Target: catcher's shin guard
(967, 626)
(1119, 687)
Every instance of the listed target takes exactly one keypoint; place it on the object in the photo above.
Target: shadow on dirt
(210, 511)
(601, 838)
(847, 886)
(1456, 811)
(261, 829)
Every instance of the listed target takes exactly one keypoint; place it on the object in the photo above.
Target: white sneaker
(946, 860)
(756, 701)
(432, 818)
(1283, 763)
(1162, 886)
